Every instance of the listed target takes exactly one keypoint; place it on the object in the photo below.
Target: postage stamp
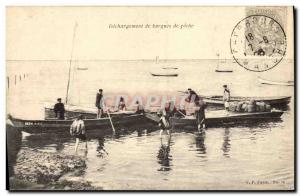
(258, 43)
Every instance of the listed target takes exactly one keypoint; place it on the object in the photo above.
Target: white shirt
(77, 127)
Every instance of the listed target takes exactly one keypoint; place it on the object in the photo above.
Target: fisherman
(164, 122)
(77, 130)
(139, 108)
(226, 97)
(59, 110)
(122, 105)
(200, 114)
(99, 103)
(192, 96)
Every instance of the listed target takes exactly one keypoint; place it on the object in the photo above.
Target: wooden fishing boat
(218, 66)
(54, 125)
(220, 118)
(164, 74)
(273, 101)
(280, 83)
(88, 113)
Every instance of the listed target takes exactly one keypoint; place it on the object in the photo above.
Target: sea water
(256, 156)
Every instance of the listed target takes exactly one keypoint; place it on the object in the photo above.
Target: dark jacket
(98, 99)
(200, 113)
(59, 110)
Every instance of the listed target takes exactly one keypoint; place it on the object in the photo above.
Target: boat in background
(170, 68)
(280, 83)
(88, 113)
(222, 70)
(273, 101)
(164, 74)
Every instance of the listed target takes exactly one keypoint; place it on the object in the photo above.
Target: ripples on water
(218, 158)
(236, 157)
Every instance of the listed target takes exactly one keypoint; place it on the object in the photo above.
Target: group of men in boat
(78, 128)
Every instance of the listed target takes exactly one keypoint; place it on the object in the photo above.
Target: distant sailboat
(271, 82)
(222, 70)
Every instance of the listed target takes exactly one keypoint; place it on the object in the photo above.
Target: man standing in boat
(59, 110)
(77, 130)
(99, 103)
(192, 96)
(226, 97)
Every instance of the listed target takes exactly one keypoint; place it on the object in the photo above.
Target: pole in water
(20, 77)
(112, 125)
(15, 79)
(24, 75)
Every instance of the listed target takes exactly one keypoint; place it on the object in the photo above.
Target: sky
(46, 33)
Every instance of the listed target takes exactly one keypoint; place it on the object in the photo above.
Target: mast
(218, 61)
(68, 85)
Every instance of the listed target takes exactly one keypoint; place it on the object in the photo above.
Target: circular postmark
(258, 43)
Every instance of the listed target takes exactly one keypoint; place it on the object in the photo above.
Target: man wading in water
(200, 114)
(78, 131)
(165, 114)
(99, 103)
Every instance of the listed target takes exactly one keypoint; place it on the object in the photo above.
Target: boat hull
(227, 120)
(39, 126)
(273, 101)
(71, 114)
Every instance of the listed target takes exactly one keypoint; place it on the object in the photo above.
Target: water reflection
(100, 147)
(200, 145)
(163, 156)
(226, 143)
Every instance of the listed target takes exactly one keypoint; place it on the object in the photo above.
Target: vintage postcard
(150, 98)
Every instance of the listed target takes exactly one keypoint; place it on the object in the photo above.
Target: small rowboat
(273, 101)
(87, 113)
(224, 71)
(270, 82)
(220, 118)
(170, 68)
(40, 126)
(164, 74)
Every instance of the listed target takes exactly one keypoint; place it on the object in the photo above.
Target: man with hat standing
(59, 110)
(99, 103)
(226, 97)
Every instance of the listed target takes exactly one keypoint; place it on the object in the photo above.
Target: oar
(182, 92)
(181, 113)
(112, 125)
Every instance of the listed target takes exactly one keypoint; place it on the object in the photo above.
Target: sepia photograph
(150, 98)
